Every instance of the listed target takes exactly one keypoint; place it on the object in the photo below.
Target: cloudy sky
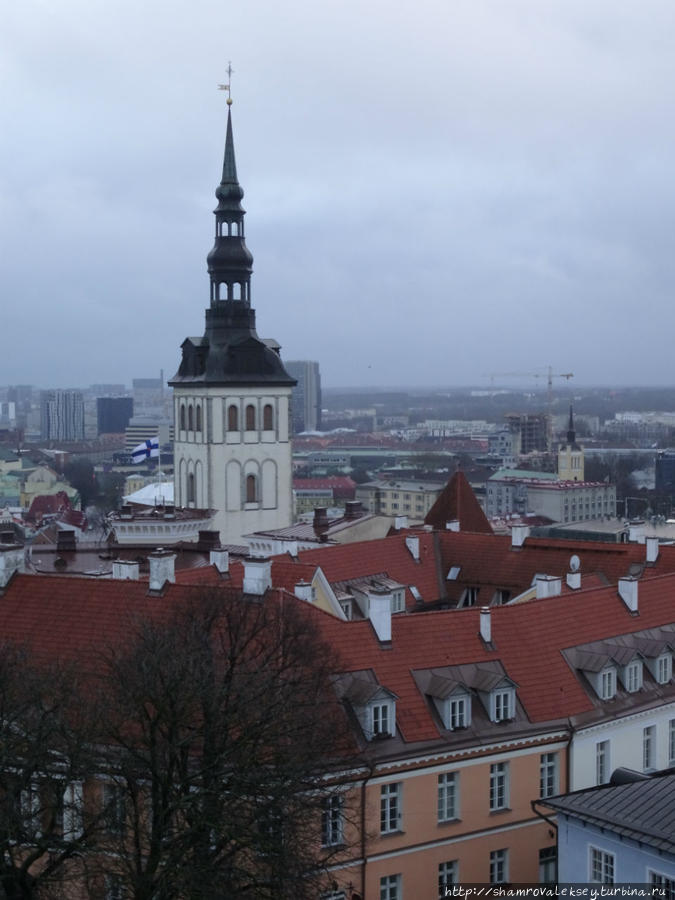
(435, 191)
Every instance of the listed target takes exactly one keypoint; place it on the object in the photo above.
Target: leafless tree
(45, 758)
(221, 729)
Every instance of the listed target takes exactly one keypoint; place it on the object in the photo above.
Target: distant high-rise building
(306, 395)
(113, 414)
(61, 416)
(533, 431)
(148, 395)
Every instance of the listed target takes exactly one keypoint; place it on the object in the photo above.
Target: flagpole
(159, 465)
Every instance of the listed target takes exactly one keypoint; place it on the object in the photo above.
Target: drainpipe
(371, 769)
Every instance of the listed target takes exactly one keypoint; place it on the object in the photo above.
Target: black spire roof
(571, 433)
(230, 350)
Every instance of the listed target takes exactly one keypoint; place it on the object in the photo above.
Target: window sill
(454, 821)
(501, 811)
(386, 834)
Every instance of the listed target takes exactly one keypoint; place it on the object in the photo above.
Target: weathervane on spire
(226, 87)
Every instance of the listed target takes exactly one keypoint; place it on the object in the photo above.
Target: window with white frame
(649, 747)
(347, 609)
(332, 821)
(382, 717)
(448, 874)
(503, 704)
(671, 741)
(72, 811)
(665, 885)
(664, 668)
(390, 807)
(448, 796)
(499, 866)
(607, 684)
(548, 774)
(390, 887)
(633, 676)
(398, 601)
(459, 712)
(470, 597)
(600, 866)
(499, 786)
(602, 762)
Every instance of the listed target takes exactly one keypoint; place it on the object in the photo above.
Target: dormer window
(455, 711)
(470, 597)
(631, 676)
(663, 670)
(607, 684)
(502, 704)
(398, 601)
(382, 714)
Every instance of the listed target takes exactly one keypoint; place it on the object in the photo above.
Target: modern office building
(61, 416)
(306, 401)
(113, 414)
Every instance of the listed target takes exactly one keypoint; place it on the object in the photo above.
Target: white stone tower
(232, 448)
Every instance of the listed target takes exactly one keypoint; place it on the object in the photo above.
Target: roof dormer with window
(661, 667)
(373, 705)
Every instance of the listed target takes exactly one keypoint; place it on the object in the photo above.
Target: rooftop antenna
(226, 87)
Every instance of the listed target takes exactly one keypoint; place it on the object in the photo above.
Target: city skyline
(435, 195)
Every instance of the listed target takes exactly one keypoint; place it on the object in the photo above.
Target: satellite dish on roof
(575, 563)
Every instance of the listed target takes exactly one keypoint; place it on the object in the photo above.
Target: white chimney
(574, 580)
(162, 569)
(548, 586)
(636, 531)
(220, 559)
(652, 548)
(257, 575)
(400, 522)
(291, 547)
(412, 542)
(452, 525)
(485, 624)
(125, 570)
(303, 590)
(628, 591)
(12, 559)
(380, 612)
(518, 535)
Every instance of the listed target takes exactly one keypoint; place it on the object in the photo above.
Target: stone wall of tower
(232, 453)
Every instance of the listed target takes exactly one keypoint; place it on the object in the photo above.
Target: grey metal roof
(642, 810)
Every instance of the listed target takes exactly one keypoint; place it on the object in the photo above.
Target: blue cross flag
(145, 450)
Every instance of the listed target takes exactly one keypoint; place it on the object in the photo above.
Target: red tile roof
(458, 502)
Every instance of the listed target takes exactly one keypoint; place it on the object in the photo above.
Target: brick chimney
(219, 558)
(485, 624)
(320, 517)
(303, 590)
(379, 603)
(353, 509)
(652, 543)
(548, 586)
(628, 591)
(519, 533)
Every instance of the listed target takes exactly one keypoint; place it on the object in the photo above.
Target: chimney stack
(636, 531)
(452, 525)
(353, 509)
(412, 542)
(400, 522)
(303, 591)
(12, 559)
(652, 543)
(257, 575)
(519, 533)
(162, 568)
(125, 570)
(573, 580)
(379, 602)
(628, 591)
(320, 517)
(548, 586)
(485, 624)
(220, 558)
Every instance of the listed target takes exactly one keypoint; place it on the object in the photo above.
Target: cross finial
(226, 87)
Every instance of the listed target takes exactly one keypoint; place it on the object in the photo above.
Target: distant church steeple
(232, 447)
(571, 455)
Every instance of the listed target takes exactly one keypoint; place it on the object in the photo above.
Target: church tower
(571, 456)
(232, 448)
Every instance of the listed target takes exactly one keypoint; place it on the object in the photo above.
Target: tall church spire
(230, 263)
(571, 433)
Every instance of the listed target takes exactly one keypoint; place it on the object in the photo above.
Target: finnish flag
(145, 450)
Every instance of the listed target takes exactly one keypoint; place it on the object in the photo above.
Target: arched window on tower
(250, 417)
(268, 417)
(191, 417)
(191, 488)
(232, 418)
(198, 417)
(251, 489)
(182, 417)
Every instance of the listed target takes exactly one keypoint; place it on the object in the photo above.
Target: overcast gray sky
(435, 191)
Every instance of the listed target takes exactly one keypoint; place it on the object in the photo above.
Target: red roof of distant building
(458, 502)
